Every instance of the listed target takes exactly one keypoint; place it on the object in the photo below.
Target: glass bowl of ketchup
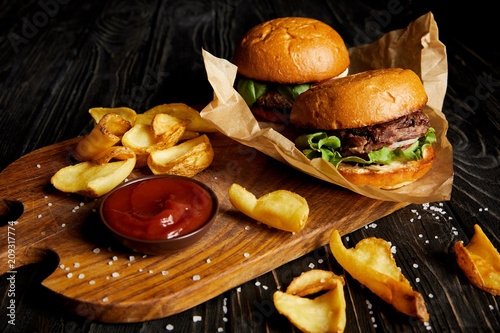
(159, 214)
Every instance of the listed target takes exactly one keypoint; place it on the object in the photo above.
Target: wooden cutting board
(98, 279)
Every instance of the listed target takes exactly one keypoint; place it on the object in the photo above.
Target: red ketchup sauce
(160, 208)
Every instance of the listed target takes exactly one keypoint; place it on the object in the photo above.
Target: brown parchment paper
(416, 47)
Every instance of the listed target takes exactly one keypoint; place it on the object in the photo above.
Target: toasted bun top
(291, 50)
(363, 99)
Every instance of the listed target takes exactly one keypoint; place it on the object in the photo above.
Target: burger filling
(270, 96)
(399, 140)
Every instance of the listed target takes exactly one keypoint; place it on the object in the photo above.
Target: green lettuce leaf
(251, 90)
(324, 146)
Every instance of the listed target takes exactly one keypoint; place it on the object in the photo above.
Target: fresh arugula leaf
(291, 92)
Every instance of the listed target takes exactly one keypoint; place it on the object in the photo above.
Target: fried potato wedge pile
(279, 209)
(480, 261)
(371, 263)
(122, 140)
(324, 313)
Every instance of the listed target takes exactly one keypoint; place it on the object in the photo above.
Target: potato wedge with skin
(313, 281)
(90, 179)
(280, 209)
(126, 113)
(183, 111)
(185, 159)
(139, 138)
(371, 263)
(115, 152)
(168, 129)
(105, 134)
(325, 313)
(480, 262)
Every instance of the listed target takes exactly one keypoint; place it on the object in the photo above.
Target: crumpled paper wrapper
(416, 47)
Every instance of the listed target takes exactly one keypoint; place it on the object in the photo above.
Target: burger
(370, 126)
(280, 59)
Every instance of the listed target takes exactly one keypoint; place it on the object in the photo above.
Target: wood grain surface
(60, 58)
(117, 285)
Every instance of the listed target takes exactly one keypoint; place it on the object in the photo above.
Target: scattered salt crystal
(238, 289)
(246, 255)
(105, 299)
(492, 307)
(420, 236)
(164, 272)
(265, 287)
(49, 204)
(91, 282)
(69, 276)
(311, 265)
(61, 266)
(220, 329)
(67, 269)
(131, 258)
(115, 274)
(393, 249)
(76, 265)
(110, 263)
(257, 283)
(247, 227)
(208, 261)
(38, 166)
(40, 216)
(196, 318)
(81, 276)
(417, 280)
(169, 327)
(196, 278)
(431, 296)
(415, 265)
(96, 250)
(63, 225)
(115, 258)
(150, 272)
(320, 261)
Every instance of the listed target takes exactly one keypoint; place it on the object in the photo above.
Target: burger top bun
(291, 50)
(363, 99)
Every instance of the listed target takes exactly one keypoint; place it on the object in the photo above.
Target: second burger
(279, 59)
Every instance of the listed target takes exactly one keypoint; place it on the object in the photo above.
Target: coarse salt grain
(91, 282)
(164, 272)
(76, 265)
(115, 258)
(115, 274)
(196, 278)
(40, 216)
(246, 255)
(81, 276)
(131, 258)
(38, 166)
(417, 280)
(105, 299)
(96, 250)
(69, 276)
(169, 327)
(431, 296)
(110, 263)
(196, 318)
(415, 265)
(311, 265)
(61, 266)
(208, 261)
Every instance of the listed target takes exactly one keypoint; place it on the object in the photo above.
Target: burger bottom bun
(391, 176)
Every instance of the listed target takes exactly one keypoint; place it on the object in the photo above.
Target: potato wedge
(115, 152)
(480, 262)
(371, 263)
(106, 133)
(183, 111)
(126, 113)
(313, 281)
(280, 209)
(324, 313)
(140, 138)
(185, 159)
(168, 129)
(90, 179)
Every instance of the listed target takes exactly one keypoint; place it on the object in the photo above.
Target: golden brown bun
(363, 99)
(291, 50)
(388, 176)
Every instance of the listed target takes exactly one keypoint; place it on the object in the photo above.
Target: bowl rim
(207, 224)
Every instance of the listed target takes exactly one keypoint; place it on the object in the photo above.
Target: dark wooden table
(59, 58)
